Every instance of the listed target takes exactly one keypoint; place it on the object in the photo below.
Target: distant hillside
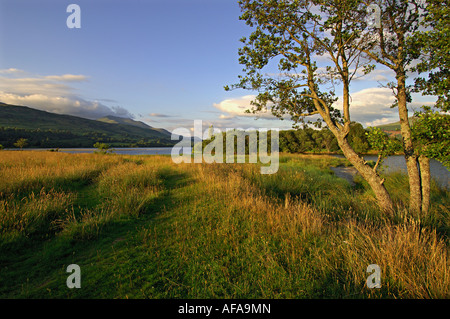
(45, 129)
(120, 120)
(394, 126)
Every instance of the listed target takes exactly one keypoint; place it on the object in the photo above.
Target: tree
(21, 143)
(431, 135)
(297, 34)
(431, 46)
(329, 140)
(357, 138)
(391, 46)
(381, 142)
(102, 148)
(413, 31)
(305, 141)
(292, 144)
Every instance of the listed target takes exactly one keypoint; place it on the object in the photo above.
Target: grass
(144, 227)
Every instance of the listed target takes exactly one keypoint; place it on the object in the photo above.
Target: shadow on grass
(29, 266)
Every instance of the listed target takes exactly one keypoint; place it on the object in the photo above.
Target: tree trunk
(425, 179)
(376, 183)
(374, 180)
(415, 192)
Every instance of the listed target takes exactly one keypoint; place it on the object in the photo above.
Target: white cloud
(226, 117)
(53, 94)
(67, 78)
(28, 86)
(159, 115)
(384, 120)
(11, 71)
(64, 105)
(377, 75)
(237, 107)
(370, 106)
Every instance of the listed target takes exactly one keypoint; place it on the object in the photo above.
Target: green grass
(144, 227)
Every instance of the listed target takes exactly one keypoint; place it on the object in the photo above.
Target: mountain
(120, 120)
(45, 129)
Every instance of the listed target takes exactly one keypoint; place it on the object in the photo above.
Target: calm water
(397, 163)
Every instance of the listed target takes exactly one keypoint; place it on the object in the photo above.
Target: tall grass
(144, 227)
(414, 259)
(33, 215)
(29, 171)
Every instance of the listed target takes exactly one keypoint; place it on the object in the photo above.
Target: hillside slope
(45, 129)
(394, 126)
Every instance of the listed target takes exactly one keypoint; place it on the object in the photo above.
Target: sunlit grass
(144, 227)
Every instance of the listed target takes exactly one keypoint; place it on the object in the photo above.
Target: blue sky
(163, 62)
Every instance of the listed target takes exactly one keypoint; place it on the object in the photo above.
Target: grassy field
(144, 227)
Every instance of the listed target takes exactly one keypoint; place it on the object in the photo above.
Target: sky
(162, 62)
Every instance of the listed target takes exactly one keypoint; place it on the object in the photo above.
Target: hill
(121, 120)
(45, 129)
(394, 126)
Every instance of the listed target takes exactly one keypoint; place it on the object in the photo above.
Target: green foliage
(282, 35)
(431, 133)
(357, 138)
(381, 142)
(1, 147)
(307, 140)
(238, 136)
(21, 143)
(431, 45)
(103, 148)
(320, 141)
(298, 141)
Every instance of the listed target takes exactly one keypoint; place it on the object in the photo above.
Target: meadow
(144, 227)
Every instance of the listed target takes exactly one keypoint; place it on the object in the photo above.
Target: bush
(21, 143)
(103, 148)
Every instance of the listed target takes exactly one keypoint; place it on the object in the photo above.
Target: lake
(397, 163)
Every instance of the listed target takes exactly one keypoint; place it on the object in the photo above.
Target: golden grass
(31, 213)
(23, 171)
(414, 260)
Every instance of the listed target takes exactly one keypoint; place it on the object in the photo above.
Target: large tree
(413, 36)
(317, 47)
(391, 46)
(431, 46)
(431, 135)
